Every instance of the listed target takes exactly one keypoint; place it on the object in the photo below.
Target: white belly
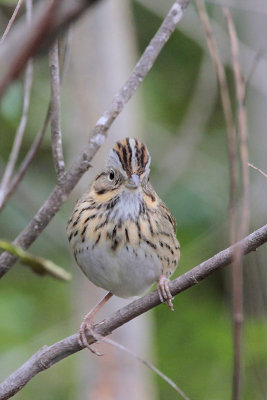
(125, 273)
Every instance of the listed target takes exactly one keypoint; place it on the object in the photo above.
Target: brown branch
(97, 136)
(48, 356)
(49, 19)
(238, 315)
(228, 115)
(11, 21)
(37, 141)
(56, 136)
(4, 187)
(20, 47)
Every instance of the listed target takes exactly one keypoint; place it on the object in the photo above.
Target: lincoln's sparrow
(122, 235)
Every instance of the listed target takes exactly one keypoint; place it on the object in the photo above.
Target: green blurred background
(177, 112)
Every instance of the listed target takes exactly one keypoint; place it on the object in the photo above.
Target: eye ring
(111, 175)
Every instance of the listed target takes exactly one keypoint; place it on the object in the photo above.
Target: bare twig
(238, 315)
(49, 19)
(257, 169)
(36, 143)
(48, 356)
(228, 115)
(22, 125)
(14, 54)
(56, 136)
(147, 364)
(10, 22)
(4, 187)
(19, 134)
(27, 160)
(97, 135)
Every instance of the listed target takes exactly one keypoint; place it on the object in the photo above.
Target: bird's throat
(129, 205)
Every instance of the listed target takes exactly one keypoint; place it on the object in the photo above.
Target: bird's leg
(164, 291)
(87, 324)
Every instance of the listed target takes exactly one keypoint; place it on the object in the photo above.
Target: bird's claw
(87, 325)
(164, 291)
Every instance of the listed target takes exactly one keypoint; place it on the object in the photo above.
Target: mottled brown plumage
(122, 235)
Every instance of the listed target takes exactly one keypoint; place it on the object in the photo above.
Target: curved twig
(48, 356)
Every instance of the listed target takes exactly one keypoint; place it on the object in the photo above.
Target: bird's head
(127, 168)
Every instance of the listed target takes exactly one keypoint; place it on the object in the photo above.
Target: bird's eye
(111, 175)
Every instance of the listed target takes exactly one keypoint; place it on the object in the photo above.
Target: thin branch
(49, 19)
(238, 314)
(10, 22)
(19, 133)
(38, 139)
(97, 135)
(20, 47)
(23, 121)
(228, 115)
(242, 121)
(56, 136)
(148, 365)
(27, 160)
(257, 169)
(48, 356)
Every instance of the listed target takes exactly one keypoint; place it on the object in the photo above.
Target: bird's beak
(133, 182)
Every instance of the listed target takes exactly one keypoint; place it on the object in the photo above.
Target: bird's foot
(164, 291)
(87, 325)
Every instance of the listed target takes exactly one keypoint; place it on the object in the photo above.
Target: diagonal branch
(23, 43)
(27, 160)
(97, 135)
(257, 169)
(148, 365)
(48, 356)
(11, 21)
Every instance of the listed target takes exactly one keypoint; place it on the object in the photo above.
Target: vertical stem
(23, 121)
(238, 314)
(56, 137)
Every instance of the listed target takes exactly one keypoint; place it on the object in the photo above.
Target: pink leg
(164, 291)
(87, 323)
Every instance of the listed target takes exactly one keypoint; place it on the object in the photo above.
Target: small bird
(122, 234)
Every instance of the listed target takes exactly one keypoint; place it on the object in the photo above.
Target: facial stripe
(129, 151)
(131, 155)
(125, 157)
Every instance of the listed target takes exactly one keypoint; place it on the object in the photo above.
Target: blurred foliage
(193, 345)
(39, 265)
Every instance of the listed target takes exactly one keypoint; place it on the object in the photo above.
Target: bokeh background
(177, 112)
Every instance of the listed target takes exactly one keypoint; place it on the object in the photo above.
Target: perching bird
(122, 235)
